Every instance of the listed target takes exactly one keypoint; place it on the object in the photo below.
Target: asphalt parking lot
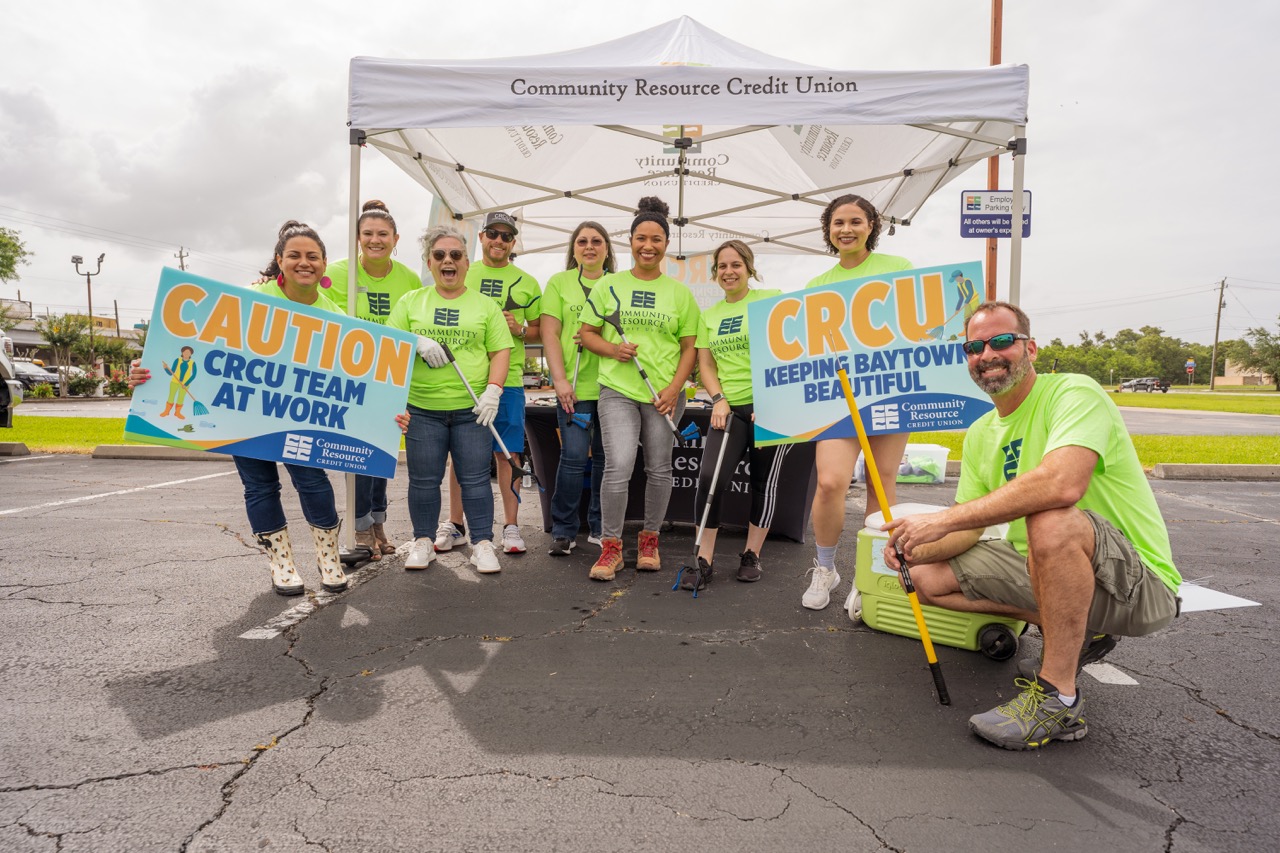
(158, 696)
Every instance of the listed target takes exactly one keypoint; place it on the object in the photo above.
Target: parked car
(10, 385)
(31, 374)
(1146, 383)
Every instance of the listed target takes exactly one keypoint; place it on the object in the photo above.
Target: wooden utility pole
(993, 163)
(1217, 325)
(182, 255)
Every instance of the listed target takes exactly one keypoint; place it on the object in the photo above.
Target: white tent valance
(737, 142)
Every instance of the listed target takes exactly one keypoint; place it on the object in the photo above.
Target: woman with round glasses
(574, 373)
(851, 229)
(461, 333)
(380, 283)
(659, 317)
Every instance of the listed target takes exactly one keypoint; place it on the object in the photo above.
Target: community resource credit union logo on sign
(884, 417)
(297, 447)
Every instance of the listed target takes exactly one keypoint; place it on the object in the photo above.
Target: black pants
(764, 468)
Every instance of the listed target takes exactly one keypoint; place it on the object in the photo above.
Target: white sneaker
(818, 595)
(512, 541)
(484, 558)
(421, 553)
(595, 540)
(447, 535)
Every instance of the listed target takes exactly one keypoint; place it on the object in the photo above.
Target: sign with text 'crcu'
(238, 372)
(898, 335)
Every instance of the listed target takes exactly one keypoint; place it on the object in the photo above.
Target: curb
(1191, 471)
(158, 452)
(13, 448)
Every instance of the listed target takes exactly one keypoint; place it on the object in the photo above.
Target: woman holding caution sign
(296, 273)
(851, 229)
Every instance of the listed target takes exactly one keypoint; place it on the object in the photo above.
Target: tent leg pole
(1015, 240)
(353, 249)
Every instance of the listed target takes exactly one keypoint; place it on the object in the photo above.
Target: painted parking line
(1108, 674)
(26, 458)
(84, 498)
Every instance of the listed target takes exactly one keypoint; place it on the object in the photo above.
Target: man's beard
(1013, 374)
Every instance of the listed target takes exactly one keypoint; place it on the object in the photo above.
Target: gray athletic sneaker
(1031, 719)
(1095, 648)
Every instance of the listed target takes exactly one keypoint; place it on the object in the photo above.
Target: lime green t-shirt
(271, 288)
(375, 297)
(564, 299)
(655, 315)
(1067, 409)
(875, 264)
(509, 285)
(723, 330)
(471, 326)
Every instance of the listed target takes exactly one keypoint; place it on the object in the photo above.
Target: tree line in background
(1149, 352)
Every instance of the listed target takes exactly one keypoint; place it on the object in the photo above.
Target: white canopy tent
(737, 142)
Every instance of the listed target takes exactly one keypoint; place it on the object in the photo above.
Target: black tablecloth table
(796, 484)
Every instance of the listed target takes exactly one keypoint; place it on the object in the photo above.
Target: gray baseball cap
(498, 217)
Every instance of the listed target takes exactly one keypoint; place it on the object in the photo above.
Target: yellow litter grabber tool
(873, 477)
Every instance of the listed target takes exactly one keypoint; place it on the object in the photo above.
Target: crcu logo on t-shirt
(643, 299)
(491, 287)
(380, 304)
(730, 326)
(297, 447)
(446, 317)
(1012, 454)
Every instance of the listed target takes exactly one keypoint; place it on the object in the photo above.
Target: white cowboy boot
(284, 575)
(332, 577)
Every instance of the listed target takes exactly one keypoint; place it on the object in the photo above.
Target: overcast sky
(134, 128)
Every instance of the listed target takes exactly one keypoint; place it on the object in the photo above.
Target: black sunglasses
(454, 255)
(997, 342)
(495, 234)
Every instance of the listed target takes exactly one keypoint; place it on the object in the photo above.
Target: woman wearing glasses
(851, 229)
(574, 373)
(659, 317)
(380, 283)
(445, 420)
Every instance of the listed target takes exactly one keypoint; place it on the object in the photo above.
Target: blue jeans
(371, 501)
(431, 439)
(261, 481)
(575, 444)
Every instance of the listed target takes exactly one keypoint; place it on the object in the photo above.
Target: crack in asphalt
(229, 787)
(1196, 694)
(94, 780)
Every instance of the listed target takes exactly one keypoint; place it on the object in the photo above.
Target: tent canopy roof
(737, 142)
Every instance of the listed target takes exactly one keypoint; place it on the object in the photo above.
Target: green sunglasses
(997, 342)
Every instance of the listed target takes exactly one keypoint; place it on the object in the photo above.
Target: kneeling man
(1087, 555)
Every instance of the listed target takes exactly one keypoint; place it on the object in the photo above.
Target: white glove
(432, 353)
(487, 409)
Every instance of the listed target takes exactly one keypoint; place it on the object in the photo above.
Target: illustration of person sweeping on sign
(181, 373)
(967, 300)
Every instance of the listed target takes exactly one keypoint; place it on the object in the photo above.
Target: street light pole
(88, 278)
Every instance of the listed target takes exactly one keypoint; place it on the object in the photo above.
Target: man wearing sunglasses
(1087, 554)
(517, 294)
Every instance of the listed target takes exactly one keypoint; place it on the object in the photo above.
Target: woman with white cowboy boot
(380, 282)
(296, 273)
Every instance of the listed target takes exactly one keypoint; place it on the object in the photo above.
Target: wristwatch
(716, 398)
(524, 331)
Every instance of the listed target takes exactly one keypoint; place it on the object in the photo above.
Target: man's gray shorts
(1128, 599)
